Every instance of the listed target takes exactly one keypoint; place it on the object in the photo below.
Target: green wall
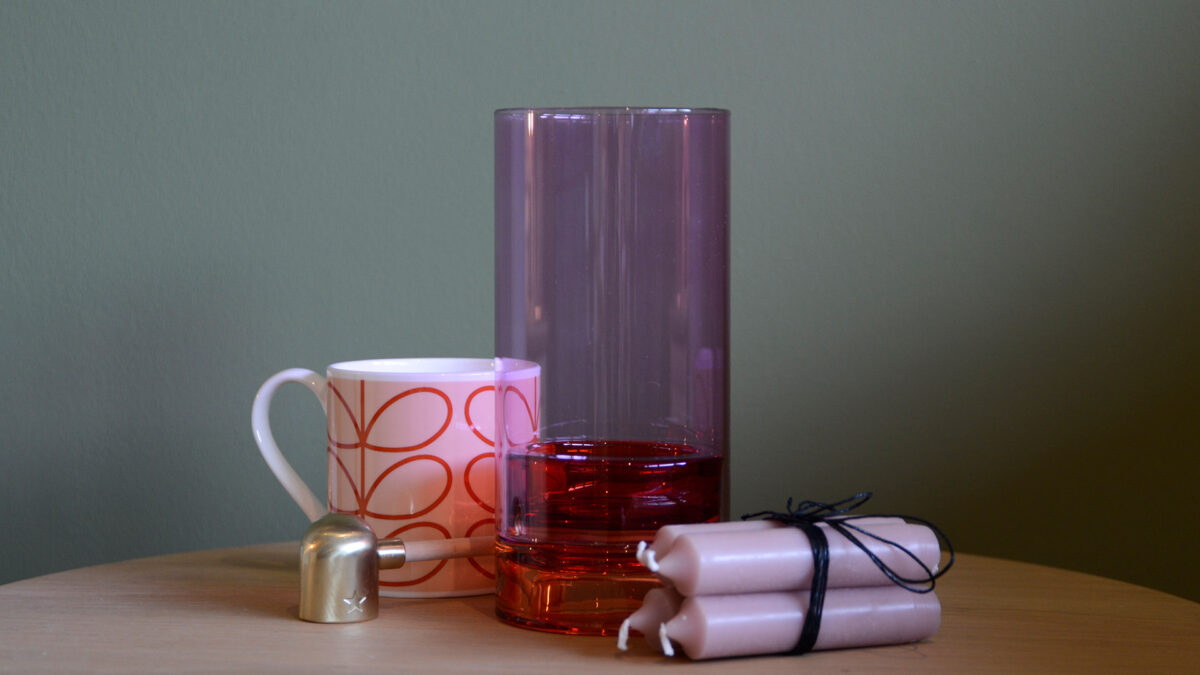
(966, 250)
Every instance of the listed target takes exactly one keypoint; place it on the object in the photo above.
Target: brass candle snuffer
(340, 559)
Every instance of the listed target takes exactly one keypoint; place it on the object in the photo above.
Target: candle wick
(623, 636)
(665, 641)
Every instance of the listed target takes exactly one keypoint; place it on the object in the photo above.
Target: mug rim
(440, 369)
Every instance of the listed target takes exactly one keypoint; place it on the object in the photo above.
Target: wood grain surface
(234, 610)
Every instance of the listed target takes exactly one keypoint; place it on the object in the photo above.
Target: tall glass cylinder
(612, 274)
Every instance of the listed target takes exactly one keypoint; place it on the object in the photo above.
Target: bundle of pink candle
(742, 588)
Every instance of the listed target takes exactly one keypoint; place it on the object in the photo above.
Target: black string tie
(807, 514)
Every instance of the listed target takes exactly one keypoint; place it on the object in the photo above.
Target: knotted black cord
(807, 514)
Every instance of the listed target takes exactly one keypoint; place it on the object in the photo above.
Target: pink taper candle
(780, 559)
(716, 626)
(666, 536)
(659, 605)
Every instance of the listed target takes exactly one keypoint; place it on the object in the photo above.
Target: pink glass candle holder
(612, 274)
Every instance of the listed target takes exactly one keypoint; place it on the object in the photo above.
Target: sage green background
(966, 251)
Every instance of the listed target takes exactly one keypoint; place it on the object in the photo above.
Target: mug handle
(260, 421)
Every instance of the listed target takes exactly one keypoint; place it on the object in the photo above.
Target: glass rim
(648, 111)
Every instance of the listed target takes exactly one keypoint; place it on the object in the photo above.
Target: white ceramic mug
(409, 448)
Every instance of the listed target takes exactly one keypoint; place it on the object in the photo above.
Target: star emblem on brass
(355, 602)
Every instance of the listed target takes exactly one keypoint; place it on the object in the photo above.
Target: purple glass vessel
(612, 273)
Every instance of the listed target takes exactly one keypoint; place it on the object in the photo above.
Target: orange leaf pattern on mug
(400, 461)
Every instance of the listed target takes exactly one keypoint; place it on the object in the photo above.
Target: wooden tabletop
(235, 610)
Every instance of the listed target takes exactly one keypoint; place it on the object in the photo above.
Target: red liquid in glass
(576, 511)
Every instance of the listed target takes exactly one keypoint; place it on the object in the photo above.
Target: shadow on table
(278, 561)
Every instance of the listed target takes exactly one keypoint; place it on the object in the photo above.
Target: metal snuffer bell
(340, 559)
